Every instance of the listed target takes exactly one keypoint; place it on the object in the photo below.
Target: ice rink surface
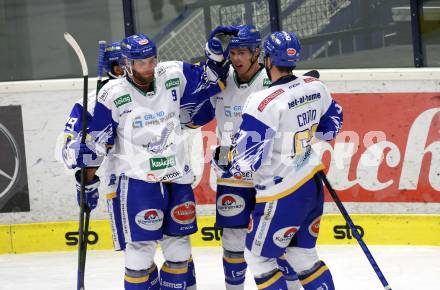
(406, 268)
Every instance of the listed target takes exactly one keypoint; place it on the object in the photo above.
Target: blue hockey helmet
(248, 36)
(112, 55)
(283, 48)
(138, 46)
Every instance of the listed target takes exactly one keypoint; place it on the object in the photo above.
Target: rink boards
(376, 230)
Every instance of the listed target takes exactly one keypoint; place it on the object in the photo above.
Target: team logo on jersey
(122, 100)
(159, 144)
(184, 213)
(230, 205)
(172, 83)
(158, 163)
(282, 237)
(314, 227)
(291, 51)
(149, 219)
(268, 99)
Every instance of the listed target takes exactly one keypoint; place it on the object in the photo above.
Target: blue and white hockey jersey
(227, 108)
(274, 140)
(145, 128)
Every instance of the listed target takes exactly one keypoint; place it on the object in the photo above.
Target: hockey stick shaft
(101, 55)
(83, 220)
(354, 231)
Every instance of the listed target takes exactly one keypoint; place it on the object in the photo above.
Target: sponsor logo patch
(266, 82)
(314, 227)
(122, 100)
(159, 163)
(172, 83)
(268, 99)
(230, 205)
(291, 51)
(149, 219)
(282, 237)
(184, 213)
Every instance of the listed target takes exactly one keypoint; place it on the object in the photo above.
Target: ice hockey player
(140, 117)
(274, 142)
(236, 194)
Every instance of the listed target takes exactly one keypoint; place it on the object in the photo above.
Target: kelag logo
(211, 233)
(344, 232)
(72, 238)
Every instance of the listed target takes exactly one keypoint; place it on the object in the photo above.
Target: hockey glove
(91, 191)
(217, 47)
(220, 160)
(80, 155)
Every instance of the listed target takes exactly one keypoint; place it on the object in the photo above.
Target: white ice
(406, 268)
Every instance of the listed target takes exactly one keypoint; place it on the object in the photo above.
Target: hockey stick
(354, 231)
(101, 53)
(84, 213)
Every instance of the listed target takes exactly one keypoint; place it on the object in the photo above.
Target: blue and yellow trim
(292, 189)
(315, 275)
(271, 281)
(167, 269)
(136, 280)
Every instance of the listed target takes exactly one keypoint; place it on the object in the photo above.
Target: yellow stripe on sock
(234, 260)
(314, 275)
(271, 281)
(111, 195)
(137, 280)
(167, 269)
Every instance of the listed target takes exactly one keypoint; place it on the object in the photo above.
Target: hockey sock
(174, 275)
(272, 281)
(154, 278)
(191, 278)
(234, 266)
(136, 280)
(318, 278)
(289, 274)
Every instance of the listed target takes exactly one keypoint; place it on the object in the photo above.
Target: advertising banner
(388, 150)
(14, 193)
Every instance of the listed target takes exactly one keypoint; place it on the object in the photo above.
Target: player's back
(292, 110)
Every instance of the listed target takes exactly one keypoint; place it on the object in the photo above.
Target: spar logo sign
(149, 219)
(184, 213)
(230, 205)
(282, 237)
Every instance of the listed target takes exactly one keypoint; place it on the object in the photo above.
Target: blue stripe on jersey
(102, 126)
(330, 123)
(252, 144)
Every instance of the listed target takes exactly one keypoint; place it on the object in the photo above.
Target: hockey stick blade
(72, 42)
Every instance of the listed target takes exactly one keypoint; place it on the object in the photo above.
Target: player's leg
(289, 274)
(142, 219)
(272, 227)
(180, 222)
(233, 209)
(114, 212)
(301, 252)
